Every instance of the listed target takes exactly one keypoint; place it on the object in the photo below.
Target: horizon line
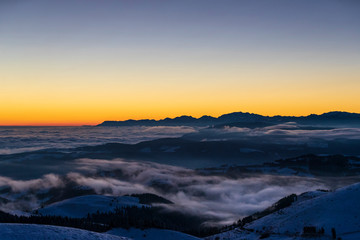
(92, 125)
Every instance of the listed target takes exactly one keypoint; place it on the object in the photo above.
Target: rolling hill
(329, 212)
(11, 231)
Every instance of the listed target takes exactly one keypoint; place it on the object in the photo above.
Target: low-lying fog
(24, 139)
(220, 198)
(281, 133)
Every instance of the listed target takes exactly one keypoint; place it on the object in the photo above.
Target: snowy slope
(339, 210)
(41, 232)
(151, 234)
(79, 207)
(248, 235)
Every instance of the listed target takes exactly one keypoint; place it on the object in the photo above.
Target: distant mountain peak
(206, 120)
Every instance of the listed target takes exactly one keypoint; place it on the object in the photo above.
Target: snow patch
(79, 207)
(10, 231)
(151, 234)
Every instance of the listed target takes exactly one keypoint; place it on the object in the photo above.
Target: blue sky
(150, 52)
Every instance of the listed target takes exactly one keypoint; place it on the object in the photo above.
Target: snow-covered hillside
(151, 234)
(79, 207)
(44, 232)
(339, 210)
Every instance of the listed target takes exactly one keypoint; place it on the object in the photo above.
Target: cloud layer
(216, 197)
(220, 198)
(283, 133)
(23, 139)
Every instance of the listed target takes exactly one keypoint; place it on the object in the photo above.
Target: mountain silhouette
(243, 119)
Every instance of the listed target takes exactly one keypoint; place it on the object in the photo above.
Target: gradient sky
(71, 62)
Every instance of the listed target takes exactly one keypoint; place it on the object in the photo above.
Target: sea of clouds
(220, 198)
(281, 133)
(25, 139)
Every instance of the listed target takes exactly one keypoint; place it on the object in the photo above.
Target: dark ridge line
(335, 116)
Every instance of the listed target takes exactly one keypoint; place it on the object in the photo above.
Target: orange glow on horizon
(62, 66)
(67, 121)
(84, 98)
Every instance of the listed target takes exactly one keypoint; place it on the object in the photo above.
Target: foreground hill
(41, 232)
(336, 212)
(79, 207)
(12, 231)
(151, 234)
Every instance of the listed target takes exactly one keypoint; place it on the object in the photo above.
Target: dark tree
(333, 233)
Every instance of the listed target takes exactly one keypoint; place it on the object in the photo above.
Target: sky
(75, 62)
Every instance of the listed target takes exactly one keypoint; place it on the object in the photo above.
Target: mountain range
(329, 118)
